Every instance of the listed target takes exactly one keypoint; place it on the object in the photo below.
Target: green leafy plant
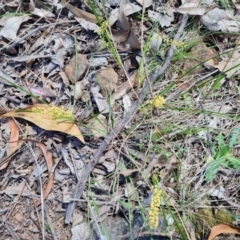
(223, 155)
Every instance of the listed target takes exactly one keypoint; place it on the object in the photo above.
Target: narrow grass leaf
(234, 136)
(235, 162)
(212, 168)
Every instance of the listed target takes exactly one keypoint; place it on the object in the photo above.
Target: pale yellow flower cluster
(103, 28)
(158, 101)
(178, 44)
(154, 208)
(55, 112)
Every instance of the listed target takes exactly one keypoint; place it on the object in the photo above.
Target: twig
(143, 55)
(49, 222)
(78, 191)
(9, 227)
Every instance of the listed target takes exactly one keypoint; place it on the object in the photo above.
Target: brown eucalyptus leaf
(46, 121)
(49, 159)
(14, 143)
(223, 228)
(13, 137)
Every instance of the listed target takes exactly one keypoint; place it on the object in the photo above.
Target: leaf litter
(56, 55)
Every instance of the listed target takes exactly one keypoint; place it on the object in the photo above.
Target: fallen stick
(78, 191)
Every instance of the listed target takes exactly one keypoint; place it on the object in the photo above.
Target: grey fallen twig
(11, 231)
(78, 191)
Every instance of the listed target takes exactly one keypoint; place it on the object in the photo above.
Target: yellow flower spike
(154, 208)
(158, 102)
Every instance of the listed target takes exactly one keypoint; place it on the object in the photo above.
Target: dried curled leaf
(125, 33)
(223, 228)
(49, 160)
(49, 118)
(14, 144)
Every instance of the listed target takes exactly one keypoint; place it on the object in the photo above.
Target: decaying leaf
(42, 13)
(73, 73)
(102, 103)
(146, 3)
(88, 25)
(49, 118)
(98, 126)
(192, 8)
(101, 213)
(12, 25)
(128, 172)
(129, 8)
(220, 19)
(163, 19)
(157, 161)
(14, 144)
(80, 231)
(125, 34)
(127, 103)
(107, 80)
(124, 88)
(231, 65)
(223, 228)
(18, 189)
(13, 137)
(49, 161)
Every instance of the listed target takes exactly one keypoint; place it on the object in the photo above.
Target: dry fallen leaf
(223, 228)
(12, 25)
(14, 144)
(17, 190)
(79, 13)
(13, 137)
(129, 8)
(98, 126)
(49, 160)
(88, 25)
(125, 33)
(124, 88)
(74, 74)
(128, 172)
(45, 117)
(107, 79)
(163, 19)
(220, 19)
(192, 8)
(230, 66)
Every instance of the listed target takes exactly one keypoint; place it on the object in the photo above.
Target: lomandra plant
(154, 207)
